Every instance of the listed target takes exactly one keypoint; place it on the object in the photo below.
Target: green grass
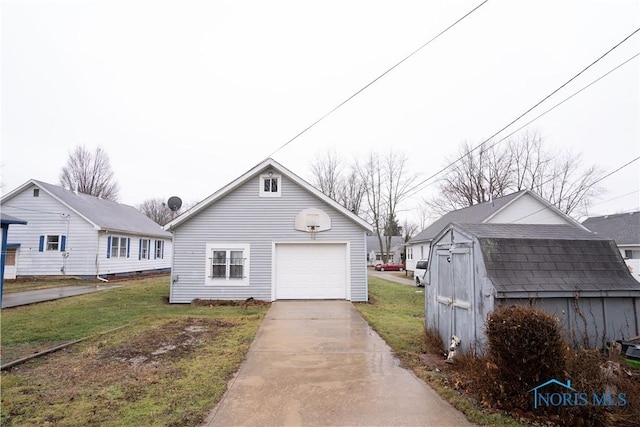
(98, 381)
(396, 312)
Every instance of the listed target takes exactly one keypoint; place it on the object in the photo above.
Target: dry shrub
(524, 350)
(433, 342)
(526, 344)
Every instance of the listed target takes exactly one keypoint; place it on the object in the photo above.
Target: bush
(526, 345)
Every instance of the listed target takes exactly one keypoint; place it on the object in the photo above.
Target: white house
(74, 234)
(523, 207)
(624, 229)
(269, 235)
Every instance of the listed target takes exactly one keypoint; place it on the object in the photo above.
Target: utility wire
(523, 114)
(415, 189)
(595, 182)
(377, 78)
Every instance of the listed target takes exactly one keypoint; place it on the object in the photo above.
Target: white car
(418, 272)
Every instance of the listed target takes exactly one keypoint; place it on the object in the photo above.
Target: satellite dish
(174, 203)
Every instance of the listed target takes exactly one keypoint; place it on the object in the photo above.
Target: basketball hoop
(313, 230)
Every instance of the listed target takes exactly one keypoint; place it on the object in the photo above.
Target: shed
(568, 272)
(269, 235)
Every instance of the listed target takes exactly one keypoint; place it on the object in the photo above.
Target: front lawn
(160, 364)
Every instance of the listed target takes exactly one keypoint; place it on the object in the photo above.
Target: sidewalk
(31, 297)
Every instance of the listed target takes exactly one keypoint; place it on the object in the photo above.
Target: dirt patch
(170, 341)
(250, 302)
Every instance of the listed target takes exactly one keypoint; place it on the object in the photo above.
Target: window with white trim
(159, 249)
(53, 243)
(118, 247)
(270, 185)
(227, 263)
(145, 246)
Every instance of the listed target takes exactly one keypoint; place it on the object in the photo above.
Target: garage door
(311, 271)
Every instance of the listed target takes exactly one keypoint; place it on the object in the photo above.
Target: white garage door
(311, 271)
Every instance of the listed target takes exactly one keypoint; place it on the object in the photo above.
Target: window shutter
(128, 246)
(162, 250)
(140, 249)
(155, 249)
(41, 246)
(109, 247)
(63, 243)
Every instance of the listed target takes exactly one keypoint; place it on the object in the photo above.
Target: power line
(595, 182)
(523, 114)
(414, 190)
(377, 78)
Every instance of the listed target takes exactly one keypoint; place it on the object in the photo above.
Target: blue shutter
(41, 247)
(140, 249)
(63, 243)
(128, 246)
(109, 247)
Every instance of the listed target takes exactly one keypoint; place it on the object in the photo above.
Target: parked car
(418, 272)
(389, 267)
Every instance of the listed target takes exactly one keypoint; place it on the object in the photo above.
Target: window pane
(267, 185)
(52, 243)
(219, 264)
(274, 185)
(236, 268)
(115, 241)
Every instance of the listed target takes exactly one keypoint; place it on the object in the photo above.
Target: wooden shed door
(454, 295)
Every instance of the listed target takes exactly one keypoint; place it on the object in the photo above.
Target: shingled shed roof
(543, 260)
(623, 228)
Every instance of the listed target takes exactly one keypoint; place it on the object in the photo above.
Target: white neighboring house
(74, 234)
(624, 229)
(269, 235)
(523, 207)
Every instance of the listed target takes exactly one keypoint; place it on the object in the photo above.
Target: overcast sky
(185, 96)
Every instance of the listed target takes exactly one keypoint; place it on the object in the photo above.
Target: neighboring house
(625, 230)
(374, 253)
(74, 234)
(523, 207)
(567, 271)
(269, 235)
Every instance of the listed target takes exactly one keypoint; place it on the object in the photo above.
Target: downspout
(98, 261)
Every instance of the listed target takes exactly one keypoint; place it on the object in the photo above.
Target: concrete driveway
(318, 363)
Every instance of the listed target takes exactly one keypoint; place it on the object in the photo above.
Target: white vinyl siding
(527, 210)
(243, 217)
(82, 250)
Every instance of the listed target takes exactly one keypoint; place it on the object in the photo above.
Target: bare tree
(157, 210)
(387, 183)
(338, 181)
(326, 173)
(90, 173)
(522, 163)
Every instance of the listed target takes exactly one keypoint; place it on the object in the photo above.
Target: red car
(389, 267)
